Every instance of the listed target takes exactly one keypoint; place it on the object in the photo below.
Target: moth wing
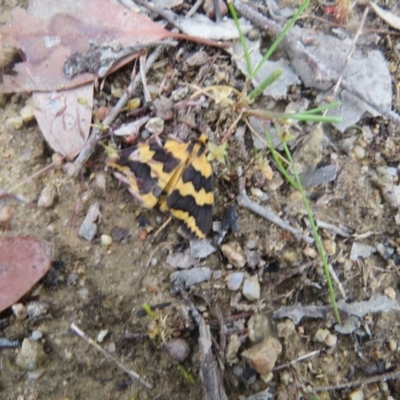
(191, 198)
(146, 169)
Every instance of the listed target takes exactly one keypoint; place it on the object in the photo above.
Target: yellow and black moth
(175, 176)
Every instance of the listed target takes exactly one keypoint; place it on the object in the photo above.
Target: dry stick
(244, 201)
(194, 8)
(352, 48)
(146, 93)
(360, 382)
(132, 374)
(96, 133)
(305, 357)
(296, 49)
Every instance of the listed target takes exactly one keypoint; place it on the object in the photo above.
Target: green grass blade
(241, 36)
(266, 82)
(279, 38)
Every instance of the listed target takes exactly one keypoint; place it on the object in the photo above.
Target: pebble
(177, 349)
(251, 288)
(197, 59)
(120, 235)
(106, 240)
(392, 345)
(88, 228)
(47, 196)
(253, 258)
(38, 373)
(15, 122)
(201, 248)
(356, 395)
(321, 335)
(217, 275)
(359, 152)
(329, 246)
(310, 252)
(26, 113)
(36, 309)
(285, 328)
(390, 292)
(155, 125)
(253, 34)
(262, 356)
(259, 327)
(331, 340)
(232, 349)
(5, 215)
(234, 280)
(101, 335)
(234, 253)
(31, 355)
(191, 277)
(35, 335)
(19, 311)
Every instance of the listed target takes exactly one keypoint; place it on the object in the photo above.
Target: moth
(175, 176)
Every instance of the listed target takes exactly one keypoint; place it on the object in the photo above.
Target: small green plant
(313, 115)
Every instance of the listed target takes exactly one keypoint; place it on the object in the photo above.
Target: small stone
(234, 253)
(36, 309)
(251, 244)
(291, 256)
(47, 196)
(35, 335)
(232, 349)
(329, 246)
(31, 355)
(331, 340)
(26, 113)
(111, 348)
(321, 335)
(14, 122)
(310, 252)
(5, 215)
(234, 280)
(217, 275)
(143, 235)
(120, 235)
(197, 59)
(190, 277)
(177, 349)
(101, 335)
(285, 329)
(251, 288)
(155, 125)
(201, 248)
(392, 344)
(253, 34)
(356, 395)
(106, 240)
(359, 152)
(253, 258)
(262, 356)
(259, 327)
(180, 93)
(19, 311)
(390, 292)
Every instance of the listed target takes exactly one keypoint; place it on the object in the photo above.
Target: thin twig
(89, 340)
(146, 93)
(305, 357)
(352, 48)
(244, 201)
(195, 7)
(96, 133)
(359, 382)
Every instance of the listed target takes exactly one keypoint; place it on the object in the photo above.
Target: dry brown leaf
(24, 261)
(67, 44)
(64, 118)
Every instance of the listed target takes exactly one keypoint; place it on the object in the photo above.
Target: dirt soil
(100, 287)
